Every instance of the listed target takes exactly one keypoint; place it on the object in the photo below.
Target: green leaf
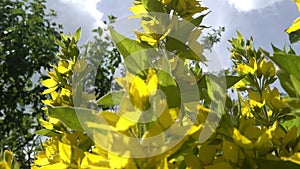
(125, 45)
(140, 53)
(46, 132)
(288, 62)
(193, 55)
(296, 122)
(192, 161)
(169, 87)
(111, 99)
(294, 36)
(197, 21)
(232, 80)
(216, 88)
(286, 83)
(60, 43)
(11, 28)
(271, 164)
(77, 35)
(296, 83)
(153, 6)
(68, 116)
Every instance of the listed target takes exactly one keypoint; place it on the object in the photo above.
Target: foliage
(212, 38)
(256, 129)
(26, 50)
(104, 56)
(294, 30)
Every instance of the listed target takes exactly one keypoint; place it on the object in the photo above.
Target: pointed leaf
(125, 45)
(288, 62)
(68, 115)
(294, 36)
(232, 80)
(296, 83)
(140, 53)
(271, 164)
(46, 132)
(77, 35)
(111, 99)
(153, 6)
(286, 83)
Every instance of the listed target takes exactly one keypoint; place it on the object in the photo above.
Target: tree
(211, 38)
(103, 54)
(27, 49)
(160, 120)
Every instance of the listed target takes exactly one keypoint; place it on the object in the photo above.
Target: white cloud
(248, 5)
(73, 14)
(88, 6)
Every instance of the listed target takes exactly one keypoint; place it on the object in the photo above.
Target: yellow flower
(248, 68)
(138, 9)
(245, 69)
(255, 99)
(266, 137)
(241, 140)
(267, 68)
(139, 91)
(272, 97)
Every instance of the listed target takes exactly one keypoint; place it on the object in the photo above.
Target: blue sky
(264, 20)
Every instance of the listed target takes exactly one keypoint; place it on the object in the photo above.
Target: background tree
(102, 53)
(212, 38)
(27, 49)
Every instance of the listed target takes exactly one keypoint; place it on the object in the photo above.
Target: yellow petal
(4, 165)
(267, 68)
(65, 153)
(138, 9)
(241, 140)
(146, 37)
(294, 158)
(254, 103)
(138, 92)
(265, 137)
(54, 121)
(49, 83)
(152, 81)
(46, 124)
(127, 120)
(47, 91)
(295, 26)
(94, 161)
(167, 118)
(62, 69)
(245, 69)
(298, 4)
(116, 161)
(47, 102)
(41, 159)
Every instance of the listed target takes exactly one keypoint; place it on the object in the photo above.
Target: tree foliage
(27, 48)
(258, 127)
(104, 57)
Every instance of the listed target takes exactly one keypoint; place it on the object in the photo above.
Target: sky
(264, 20)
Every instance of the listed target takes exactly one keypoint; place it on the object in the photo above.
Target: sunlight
(249, 5)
